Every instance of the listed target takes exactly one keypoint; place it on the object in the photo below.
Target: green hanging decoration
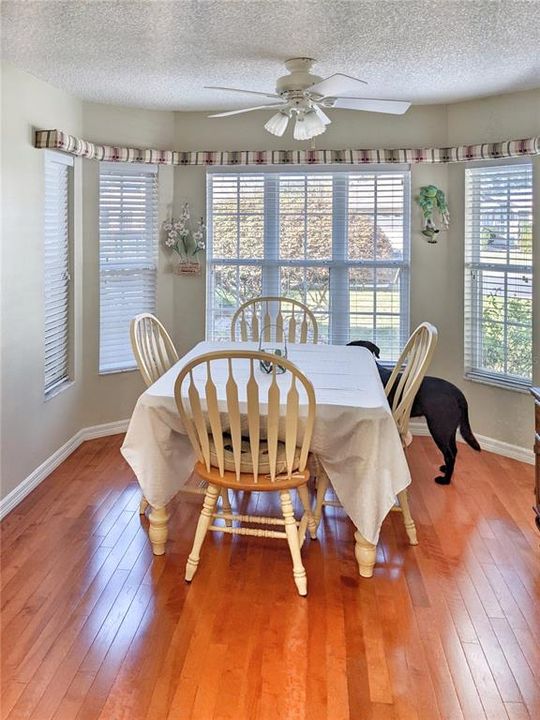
(432, 200)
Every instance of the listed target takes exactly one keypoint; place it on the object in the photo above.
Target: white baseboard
(516, 452)
(40, 473)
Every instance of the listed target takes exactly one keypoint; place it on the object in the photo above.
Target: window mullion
(270, 270)
(339, 272)
(404, 275)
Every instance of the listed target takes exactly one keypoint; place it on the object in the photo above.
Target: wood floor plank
(528, 686)
(517, 711)
(96, 628)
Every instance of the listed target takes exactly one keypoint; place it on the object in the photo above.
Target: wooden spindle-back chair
(255, 438)
(401, 390)
(154, 353)
(278, 319)
(152, 346)
(407, 376)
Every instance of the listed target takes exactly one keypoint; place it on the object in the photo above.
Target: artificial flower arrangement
(181, 238)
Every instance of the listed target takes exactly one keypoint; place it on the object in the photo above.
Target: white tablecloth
(355, 436)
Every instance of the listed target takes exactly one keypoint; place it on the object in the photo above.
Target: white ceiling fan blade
(393, 107)
(245, 92)
(244, 110)
(338, 84)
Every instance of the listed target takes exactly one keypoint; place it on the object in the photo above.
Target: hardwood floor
(95, 627)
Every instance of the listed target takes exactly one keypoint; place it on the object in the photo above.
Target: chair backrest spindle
(276, 318)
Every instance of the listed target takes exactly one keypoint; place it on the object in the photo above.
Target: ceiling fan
(303, 96)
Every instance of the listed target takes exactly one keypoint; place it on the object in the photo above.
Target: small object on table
(268, 365)
(272, 347)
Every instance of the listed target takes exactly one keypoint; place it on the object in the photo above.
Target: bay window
(338, 241)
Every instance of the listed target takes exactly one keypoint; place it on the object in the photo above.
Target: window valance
(58, 140)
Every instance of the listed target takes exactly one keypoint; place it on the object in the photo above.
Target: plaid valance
(58, 140)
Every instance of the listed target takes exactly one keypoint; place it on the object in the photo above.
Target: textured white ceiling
(159, 54)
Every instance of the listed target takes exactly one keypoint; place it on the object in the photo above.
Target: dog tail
(465, 426)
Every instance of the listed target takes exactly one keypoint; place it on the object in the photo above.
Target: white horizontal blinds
(128, 215)
(57, 269)
(499, 272)
(236, 225)
(378, 251)
(305, 208)
(336, 241)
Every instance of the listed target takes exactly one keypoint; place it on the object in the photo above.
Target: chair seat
(246, 458)
(247, 481)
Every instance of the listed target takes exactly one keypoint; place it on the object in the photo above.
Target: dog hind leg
(445, 439)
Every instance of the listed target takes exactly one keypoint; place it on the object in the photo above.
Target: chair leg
(322, 487)
(299, 571)
(308, 515)
(410, 527)
(205, 520)
(226, 505)
(143, 505)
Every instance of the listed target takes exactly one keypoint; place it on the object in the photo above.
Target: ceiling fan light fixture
(323, 117)
(307, 126)
(277, 123)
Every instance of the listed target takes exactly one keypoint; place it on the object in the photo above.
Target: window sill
(116, 371)
(57, 389)
(521, 386)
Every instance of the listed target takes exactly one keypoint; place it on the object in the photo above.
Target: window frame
(338, 265)
(473, 266)
(126, 169)
(61, 384)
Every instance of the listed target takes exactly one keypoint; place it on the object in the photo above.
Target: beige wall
(33, 429)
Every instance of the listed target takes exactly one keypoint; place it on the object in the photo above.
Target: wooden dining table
(355, 439)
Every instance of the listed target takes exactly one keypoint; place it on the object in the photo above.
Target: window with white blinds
(337, 241)
(128, 232)
(499, 273)
(57, 260)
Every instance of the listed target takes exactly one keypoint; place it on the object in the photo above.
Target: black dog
(445, 408)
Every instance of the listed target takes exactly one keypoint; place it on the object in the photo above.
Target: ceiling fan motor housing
(299, 78)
